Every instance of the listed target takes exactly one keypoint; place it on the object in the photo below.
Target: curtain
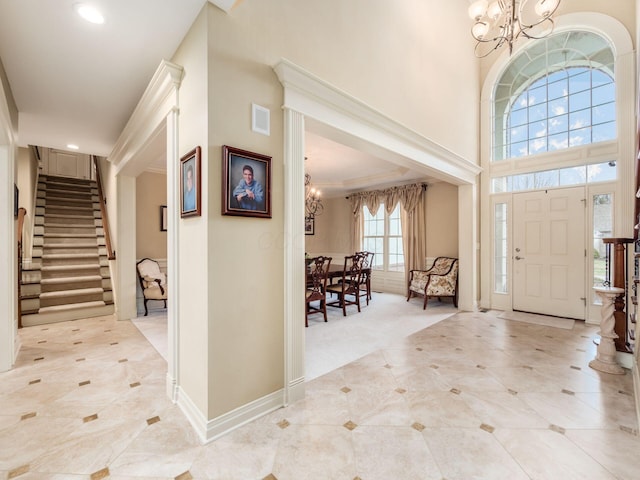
(412, 219)
(356, 210)
(414, 235)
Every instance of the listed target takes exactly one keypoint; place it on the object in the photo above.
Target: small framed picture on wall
(309, 225)
(190, 183)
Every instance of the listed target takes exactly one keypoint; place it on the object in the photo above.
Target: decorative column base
(605, 360)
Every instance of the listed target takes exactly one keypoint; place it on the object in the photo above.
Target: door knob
(518, 257)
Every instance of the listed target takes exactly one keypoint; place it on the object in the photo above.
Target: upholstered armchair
(441, 280)
(152, 281)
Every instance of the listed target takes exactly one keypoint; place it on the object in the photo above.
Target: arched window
(558, 94)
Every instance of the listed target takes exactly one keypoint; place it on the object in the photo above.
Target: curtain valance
(407, 195)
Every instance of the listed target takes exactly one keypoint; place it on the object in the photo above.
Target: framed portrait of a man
(246, 183)
(190, 183)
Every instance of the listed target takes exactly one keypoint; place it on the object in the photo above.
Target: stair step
(75, 208)
(60, 194)
(68, 256)
(68, 225)
(70, 245)
(30, 319)
(74, 279)
(64, 268)
(71, 306)
(64, 186)
(59, 215)
(69, 235)
(71, 293)
(82, 191)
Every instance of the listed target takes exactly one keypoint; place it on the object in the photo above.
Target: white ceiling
(76, 82)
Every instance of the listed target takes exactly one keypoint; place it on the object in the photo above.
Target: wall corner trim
(210, 430)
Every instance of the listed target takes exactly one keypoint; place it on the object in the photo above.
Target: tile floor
(471, 397)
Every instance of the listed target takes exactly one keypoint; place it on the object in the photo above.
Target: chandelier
(312, 204)
(504, 21)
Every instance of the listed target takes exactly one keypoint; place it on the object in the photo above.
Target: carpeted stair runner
(68, 277)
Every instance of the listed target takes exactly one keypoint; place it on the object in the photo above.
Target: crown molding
(308, 94)
(156, 103)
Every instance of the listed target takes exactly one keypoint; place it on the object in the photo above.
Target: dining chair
(365, 281)
(349, 284)
(316, 286)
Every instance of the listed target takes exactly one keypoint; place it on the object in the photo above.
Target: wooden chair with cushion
(441, 280)
(317, 270)
(152, 281)
(349, 284)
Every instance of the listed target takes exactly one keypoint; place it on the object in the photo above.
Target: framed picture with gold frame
(190, 184)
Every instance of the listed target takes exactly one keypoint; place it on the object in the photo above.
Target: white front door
(549, 260)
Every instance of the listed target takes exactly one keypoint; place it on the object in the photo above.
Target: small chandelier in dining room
(503, 22)
(312, 203)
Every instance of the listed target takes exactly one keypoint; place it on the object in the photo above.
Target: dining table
(336, 271)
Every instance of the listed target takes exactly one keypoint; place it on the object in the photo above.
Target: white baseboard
(296, 391)
(209, 430)
(172, 388)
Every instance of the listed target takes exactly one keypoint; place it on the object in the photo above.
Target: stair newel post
(619, 263)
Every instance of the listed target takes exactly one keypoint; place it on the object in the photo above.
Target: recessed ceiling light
(72, 146)
(89, 13)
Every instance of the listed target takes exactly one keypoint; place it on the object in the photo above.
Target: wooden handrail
(111, 254)
(21, 214)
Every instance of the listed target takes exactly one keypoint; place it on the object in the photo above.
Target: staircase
(68, 277)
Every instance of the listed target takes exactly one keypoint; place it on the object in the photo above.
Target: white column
(173, 216)
(467, 247)
(626, 124)
(126, 253)
(294, 255)
(605, 360)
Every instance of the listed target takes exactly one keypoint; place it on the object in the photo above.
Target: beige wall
(247, 254)
(231, 269)
(333, 229)
(442, 220)
(151, 193)
(192, 263)
(419, 75)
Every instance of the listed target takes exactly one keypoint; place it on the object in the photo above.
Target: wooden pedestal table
(618, 262)
(605, 360)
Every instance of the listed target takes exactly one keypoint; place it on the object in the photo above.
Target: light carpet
(545, 320)
(154, 328)
(341, 340)
(387, 318)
